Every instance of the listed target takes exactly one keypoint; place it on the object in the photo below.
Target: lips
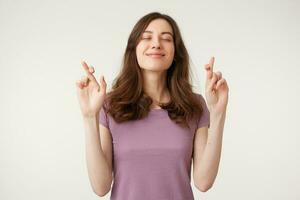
(155, 54)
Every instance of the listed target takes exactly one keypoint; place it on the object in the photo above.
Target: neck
(155, 86)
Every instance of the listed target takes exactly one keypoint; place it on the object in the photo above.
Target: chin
(155, 67)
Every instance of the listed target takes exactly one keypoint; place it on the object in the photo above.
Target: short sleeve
(204, 120)
(103, 118)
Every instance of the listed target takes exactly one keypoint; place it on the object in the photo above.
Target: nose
(155, 43)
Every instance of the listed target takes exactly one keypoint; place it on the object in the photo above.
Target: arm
(99, 167)
(91, 96)
(208, 143)
(207, 152)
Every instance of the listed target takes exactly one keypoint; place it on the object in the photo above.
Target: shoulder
(199, 96)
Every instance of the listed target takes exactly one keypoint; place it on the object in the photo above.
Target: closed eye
(166, 39)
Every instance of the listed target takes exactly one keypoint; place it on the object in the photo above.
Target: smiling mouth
(156, 55)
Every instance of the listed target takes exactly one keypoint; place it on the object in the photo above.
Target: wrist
(217, 113)
(91, 117)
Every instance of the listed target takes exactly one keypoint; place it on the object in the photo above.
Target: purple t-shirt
(152, 156)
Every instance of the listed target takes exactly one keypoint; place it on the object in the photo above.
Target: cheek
(139, 50)
(171, 51)
(170, 47)
(139, 54)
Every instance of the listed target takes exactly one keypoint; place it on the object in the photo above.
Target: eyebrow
(165, 32)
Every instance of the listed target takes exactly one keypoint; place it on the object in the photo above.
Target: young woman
(144, 134)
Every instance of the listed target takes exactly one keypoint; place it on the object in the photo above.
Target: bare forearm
(212, 153)
(100, 174)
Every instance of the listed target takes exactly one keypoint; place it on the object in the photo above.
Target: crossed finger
(220, 82)
(209, 68)
(89, 71)
(219, 75)
(84, 80)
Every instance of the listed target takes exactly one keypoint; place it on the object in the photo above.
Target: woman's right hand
(90, 93)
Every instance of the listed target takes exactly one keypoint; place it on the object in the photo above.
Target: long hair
(127, 100)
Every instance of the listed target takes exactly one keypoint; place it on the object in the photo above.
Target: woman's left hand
(216, 89)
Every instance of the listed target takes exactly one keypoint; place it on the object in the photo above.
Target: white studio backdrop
(256, 46)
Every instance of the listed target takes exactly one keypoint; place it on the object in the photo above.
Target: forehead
(160, 26)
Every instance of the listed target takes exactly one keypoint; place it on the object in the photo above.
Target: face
(155, 51)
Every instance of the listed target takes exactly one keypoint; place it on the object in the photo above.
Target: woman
(152, 125)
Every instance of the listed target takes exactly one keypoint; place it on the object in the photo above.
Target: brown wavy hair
(127, 100)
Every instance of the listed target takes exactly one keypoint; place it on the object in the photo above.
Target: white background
(256, 46)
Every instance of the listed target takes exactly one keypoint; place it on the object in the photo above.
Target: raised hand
(90, 93)
(216, 89)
